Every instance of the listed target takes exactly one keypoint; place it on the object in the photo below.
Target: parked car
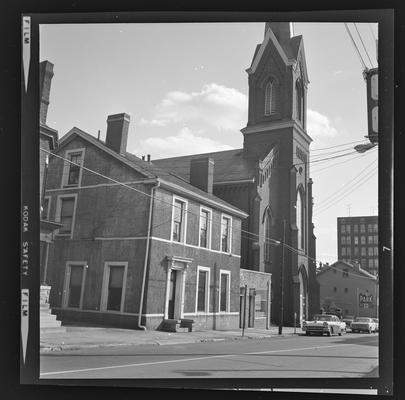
(348, 319)
(363, 324)
(324, 323)
(376, 324)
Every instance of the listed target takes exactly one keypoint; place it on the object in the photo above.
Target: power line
(372, 32)
(355, 46)
(337, 200)
(337, 191)
(364, 47)
(338, 145)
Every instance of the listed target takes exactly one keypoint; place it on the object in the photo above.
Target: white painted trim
(207, 290)
(251, 180)
(203, 199)
(228, 294)
(165, 241)
(209, 231)
(104, 288)
(230, 234)
(183, 230)
(66, 283)
(144, 181)
(112, 312)
(59, 209)
(189, 314)
(66, 168)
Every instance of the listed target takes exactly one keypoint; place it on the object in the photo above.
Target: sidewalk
(77, 337)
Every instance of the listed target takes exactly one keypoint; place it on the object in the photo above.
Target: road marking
(194, 359)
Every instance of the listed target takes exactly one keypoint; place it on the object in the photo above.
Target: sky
(185, 87)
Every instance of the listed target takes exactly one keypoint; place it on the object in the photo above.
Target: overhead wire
(338, 145)
(364, 47)
(355, 47)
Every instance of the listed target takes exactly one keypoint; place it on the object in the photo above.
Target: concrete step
(53, 329)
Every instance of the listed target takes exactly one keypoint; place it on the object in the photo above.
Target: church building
(269, 178)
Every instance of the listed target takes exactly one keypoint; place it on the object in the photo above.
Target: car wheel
(307, 333)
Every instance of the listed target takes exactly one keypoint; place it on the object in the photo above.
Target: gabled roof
(229, 165)
(357, 269)
(166, 178)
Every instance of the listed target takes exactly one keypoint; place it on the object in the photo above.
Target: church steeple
(281, 31)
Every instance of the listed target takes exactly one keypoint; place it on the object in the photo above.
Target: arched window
(270, 98)
(300, 218)
(299, 103)
(267, 236)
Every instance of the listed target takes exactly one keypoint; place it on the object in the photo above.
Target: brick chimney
(45, 78)
(202, 173)
(117, 132)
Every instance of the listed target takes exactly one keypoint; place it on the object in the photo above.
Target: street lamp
(362, 148)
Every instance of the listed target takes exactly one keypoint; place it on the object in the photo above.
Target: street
(351, 355)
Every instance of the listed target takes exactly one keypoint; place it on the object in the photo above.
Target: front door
(172, 294)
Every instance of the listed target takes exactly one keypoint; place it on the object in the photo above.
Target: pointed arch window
(270, 98)
(299, 102)
(267, 236)
(300, 220)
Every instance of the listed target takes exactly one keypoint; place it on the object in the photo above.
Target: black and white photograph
(209, 200)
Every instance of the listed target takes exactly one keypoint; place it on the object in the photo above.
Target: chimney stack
(202, 173)
(45, 78)
(117, 132)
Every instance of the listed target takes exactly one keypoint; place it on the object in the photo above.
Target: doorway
(172, 294)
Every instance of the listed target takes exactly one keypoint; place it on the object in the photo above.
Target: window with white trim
(205, 228)
(72, 170)
(65, 214)
(75, 276)
(46, 205)
(226, 228)
(203, 285)
(179, 220)
(270, 98)
(114, 282)
(224, 290)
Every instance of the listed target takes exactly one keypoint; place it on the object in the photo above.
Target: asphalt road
(351, 355)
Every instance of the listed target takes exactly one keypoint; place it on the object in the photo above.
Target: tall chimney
(45, 78)
(117, 132)
(202, 173)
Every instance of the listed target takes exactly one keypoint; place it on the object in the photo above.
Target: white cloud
(219, 106)
(184, 143)
(318, 125)
(153, 122)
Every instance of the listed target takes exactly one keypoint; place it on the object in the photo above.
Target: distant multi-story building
(357, 240)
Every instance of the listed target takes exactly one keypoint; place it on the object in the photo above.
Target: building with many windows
(358, 241)
(139, 245)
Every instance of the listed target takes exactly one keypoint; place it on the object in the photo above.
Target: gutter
(145, 265)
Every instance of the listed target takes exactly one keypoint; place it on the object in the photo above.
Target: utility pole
(280, 326)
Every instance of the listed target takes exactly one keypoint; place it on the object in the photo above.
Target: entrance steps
(48, 322)
(174, 325)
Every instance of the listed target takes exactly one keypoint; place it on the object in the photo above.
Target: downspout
(145, 266)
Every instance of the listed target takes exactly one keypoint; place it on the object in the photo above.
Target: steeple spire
(281, 31)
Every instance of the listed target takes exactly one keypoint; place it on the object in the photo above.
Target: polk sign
(371, 77)
(366, 300)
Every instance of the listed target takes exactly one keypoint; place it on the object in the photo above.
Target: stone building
(269, 178)
(138, 245)
(349, 287)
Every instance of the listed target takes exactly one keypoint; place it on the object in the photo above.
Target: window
(114, 281)
(300, 220)
(224, 291)
(45, 207)
(355, 228)
(74, 284)
(346, 289)
(362, 228)
(363, 239)
(179, 220)
(270, 98)
(342, 228)
(363, 263)
(226, 234)
(363, 251)
(348, 252)
(376, 262)
(371, 263)
(356, 240)
(203, 281)
(376, 251)
(343, 251)
(343, 240)
(375, 227)
(375, 239)
(348, 228)
(345, 273)
(370, 252)
(65, 213)
(205, 228)
(370, 228)
(72, 170)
